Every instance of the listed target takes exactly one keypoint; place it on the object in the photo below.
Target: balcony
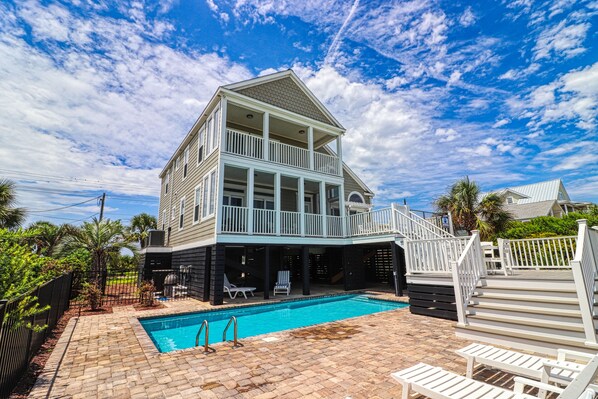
(252, 146)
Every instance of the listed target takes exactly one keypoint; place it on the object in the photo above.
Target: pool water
(170, 333)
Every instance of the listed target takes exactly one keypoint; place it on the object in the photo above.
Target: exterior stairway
(528, 314)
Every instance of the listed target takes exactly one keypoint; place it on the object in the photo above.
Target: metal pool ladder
(206, 348)
(236, 343)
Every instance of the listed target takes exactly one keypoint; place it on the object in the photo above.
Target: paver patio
(106, 358)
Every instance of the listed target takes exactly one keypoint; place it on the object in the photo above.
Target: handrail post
(462, 320)
(206, 348)
(393, 215)
(233, 320)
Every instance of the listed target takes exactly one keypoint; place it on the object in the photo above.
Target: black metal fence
(18, 344)
(123, 288)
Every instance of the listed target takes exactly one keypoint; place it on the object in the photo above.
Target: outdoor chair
(437, 383)
(561, 371)
(283, 283)
(233, 290)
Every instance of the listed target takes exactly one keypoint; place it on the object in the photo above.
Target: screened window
(200, 145)
(509, 200)
(182, 214)
(176, 162)
(173, 213)
(208, 205)
(185, 162)
(209, 136)
(197, 204)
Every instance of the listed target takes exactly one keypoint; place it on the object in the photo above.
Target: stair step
(526, 321)
(527, 298)
(511, 307)
(564, 288)
(515, 283)
(532, 336)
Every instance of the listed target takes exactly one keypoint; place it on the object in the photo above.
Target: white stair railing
(432, 256)
(467, 272)
(429, 225)
(584, 267)
(540, 253)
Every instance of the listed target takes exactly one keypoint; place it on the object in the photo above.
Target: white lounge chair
(283, 284)
(436, 383)
(233, 290)
(562, 370)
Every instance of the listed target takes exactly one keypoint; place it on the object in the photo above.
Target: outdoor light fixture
(301, 131)
(249, 116)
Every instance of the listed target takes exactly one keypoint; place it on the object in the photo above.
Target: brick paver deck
(108, 357)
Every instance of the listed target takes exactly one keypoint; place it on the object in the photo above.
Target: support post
(393, 211)
(310, 146)
(250, 188)
(305, 269)
(339, 154)
(301, 190)
(396, 270)
(323, 209)
(267, 272)
(219, 196)
(223, 109)
(266, 134)
(341, 208)
(277, 199)
(462, 321)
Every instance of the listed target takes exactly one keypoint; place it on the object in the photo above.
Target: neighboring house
(548, 198)
(259, 185)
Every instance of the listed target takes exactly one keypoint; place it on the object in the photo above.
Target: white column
(250, 185)
(266, 133)
(302, 206)
(323, 208)
(223, 109)
(339, 154)
(341, 208)
(310, 146)
(219, 198)
(393, 216)
(277, 195)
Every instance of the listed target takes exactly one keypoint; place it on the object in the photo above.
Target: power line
(68, 219)
(63, 207)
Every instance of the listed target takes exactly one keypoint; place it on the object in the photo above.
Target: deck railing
(539, 253)
(370, 223)
(584, 265)
(467, 272)
(326, 163)
(244, 144)
(313, 225)
(234, 219)
(290, 223)
(433, 256)
(289, 155)
(334, 226)
(264, 221)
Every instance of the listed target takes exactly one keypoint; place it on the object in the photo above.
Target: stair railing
(467, 271)
(584, 267)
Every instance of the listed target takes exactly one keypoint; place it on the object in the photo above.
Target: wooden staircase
(529, 314)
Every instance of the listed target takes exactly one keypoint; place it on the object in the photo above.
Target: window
(182, 213)
(216, 127)
(176, 163)
(200, 146)
(209, 195)
(232, 201)
(209, 136)
(164, 217)
(356, 197)
(509, 200)
(166, 180)
(173, 213)
(196, 204)
(185, 162)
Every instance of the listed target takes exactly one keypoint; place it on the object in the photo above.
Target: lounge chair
(233, 290)
(561, 370)
(437, 383)
(283, 284)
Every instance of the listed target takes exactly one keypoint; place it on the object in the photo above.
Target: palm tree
(10, 217)
(47, 236)
(101, 239)
(140, 226)
(470, 212)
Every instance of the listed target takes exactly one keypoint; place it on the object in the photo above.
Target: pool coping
(150, 349)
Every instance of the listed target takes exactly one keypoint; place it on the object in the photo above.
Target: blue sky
(97, 95)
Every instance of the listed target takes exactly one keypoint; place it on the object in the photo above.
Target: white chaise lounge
(233, 290)
(436, 383)
(562, 370)
(283, 283)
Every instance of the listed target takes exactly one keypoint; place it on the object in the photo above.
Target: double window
(182, 214)
(208, 205)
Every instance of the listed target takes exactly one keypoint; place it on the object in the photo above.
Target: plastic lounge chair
(233, 290)
(283, 284)
(437, 383)
(561, 370)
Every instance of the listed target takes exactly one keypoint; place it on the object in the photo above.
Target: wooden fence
(18, 344)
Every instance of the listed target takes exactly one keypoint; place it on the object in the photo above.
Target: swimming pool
(170, 333)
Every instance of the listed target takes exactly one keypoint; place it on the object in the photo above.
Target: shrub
(91, 294)
(146, 293)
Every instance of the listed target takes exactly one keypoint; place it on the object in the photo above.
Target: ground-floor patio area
(102, 356)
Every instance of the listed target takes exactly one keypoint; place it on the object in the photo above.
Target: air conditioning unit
(155, 238)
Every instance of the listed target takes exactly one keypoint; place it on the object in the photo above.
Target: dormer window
(509, 200)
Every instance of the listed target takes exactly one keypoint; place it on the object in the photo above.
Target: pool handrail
(206, 348)
(236, 343)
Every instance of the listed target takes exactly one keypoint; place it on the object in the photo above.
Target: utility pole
(102, 201)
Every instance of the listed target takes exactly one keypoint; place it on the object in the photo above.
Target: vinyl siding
(179, 189)
(351, 185)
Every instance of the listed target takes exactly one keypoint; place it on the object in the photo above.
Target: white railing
(584, 267)
(313, 225)
(289, 155)
(326, 164)
(539, 253)
(467, 272)
(264, 221)
(290, 223)
(244, 144)
(432, 256)
(334, 226)
(412, 228)
(234, 219)
(429, 225)
(370, 223)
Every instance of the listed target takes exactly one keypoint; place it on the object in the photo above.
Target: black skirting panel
(433, 300)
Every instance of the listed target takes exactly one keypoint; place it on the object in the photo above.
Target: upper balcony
(260, 135)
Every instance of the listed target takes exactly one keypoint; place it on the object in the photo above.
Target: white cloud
(446, 135)
(468, 18)
(563, 40)
(501, 122)
(577, 161)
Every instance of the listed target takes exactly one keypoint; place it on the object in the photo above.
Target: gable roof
(285, 90)
(530, 210)
(510, 190)
(541, 191)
